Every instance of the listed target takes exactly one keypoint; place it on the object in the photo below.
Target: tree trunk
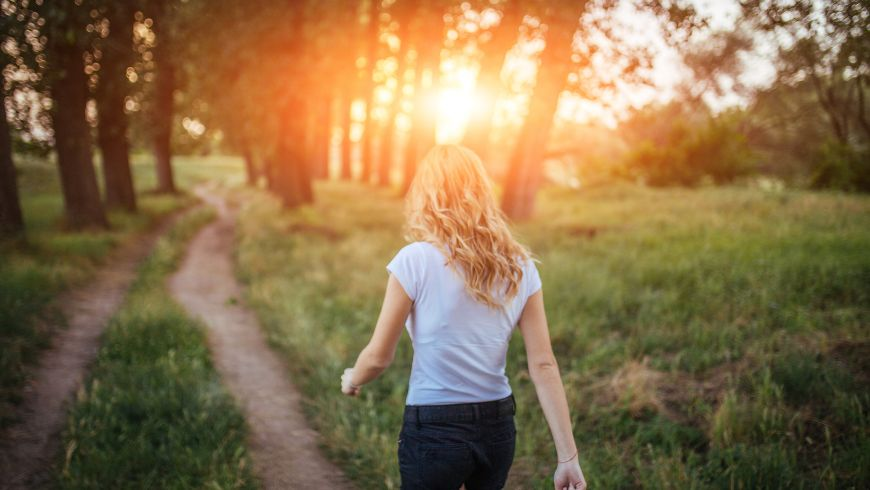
(163, 111)
(111, 94)
(862, 118)
(428, 119)
(11, 221)
(291, 179)
(69, 94)
(371, 59)
(250, 166)
(321, 143)
(489, 84)
(409, 165)
(346, 144)
(269, 165)
(387, 149)
(526, 163)
(422, 133)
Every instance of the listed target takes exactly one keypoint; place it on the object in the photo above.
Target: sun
(454, 108)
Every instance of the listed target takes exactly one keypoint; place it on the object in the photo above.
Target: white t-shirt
(460, 344)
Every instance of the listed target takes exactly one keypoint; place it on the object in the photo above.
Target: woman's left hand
(346, 386)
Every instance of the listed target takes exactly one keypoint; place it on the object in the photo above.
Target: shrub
(841, 166)
(717, 151)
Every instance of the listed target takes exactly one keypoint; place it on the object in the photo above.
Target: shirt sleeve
(406, 267)
(532, 279)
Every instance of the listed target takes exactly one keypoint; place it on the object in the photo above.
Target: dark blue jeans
(444, 446)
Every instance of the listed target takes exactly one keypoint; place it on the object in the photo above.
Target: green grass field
(50, 259)
(707, 338)
(153, 413)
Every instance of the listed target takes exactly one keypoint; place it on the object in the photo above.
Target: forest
(359, 90)
(693, 175)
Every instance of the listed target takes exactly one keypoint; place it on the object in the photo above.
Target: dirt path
(28, 446)
(284, 448)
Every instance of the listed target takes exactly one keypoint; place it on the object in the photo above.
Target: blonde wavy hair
(451, 205)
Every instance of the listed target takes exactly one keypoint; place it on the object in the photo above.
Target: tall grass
(153, 413)
(48, 261)
(51, 259)
(709, 338)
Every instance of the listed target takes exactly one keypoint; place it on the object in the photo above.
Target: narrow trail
(284, 448)
(28, 446)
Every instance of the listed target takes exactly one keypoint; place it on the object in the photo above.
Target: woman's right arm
(544, 372)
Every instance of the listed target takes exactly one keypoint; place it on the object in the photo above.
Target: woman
(460, 289)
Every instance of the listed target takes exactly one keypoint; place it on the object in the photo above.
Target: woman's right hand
(569, 476)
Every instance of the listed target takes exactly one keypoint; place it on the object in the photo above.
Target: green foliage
(688, 154)
(731, 295)
(840, 166)
(153, 414)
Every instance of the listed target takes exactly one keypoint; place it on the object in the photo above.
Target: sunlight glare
(455, 106)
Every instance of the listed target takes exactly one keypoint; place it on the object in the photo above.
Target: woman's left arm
(381, 349)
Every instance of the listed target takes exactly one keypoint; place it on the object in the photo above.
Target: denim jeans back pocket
(437, 455)
(501, 432)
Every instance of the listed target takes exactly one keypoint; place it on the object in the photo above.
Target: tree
(827, 43)
(292, 180)
(321, 129)
(116, 51)
(559, 58)
(11, 220)
(346, 124)
(374, 30)
(162, 111)
(525, 166)
(823, 49)
(428, 41)
(402, 13)
(346, 69)
(66, 41)
(504, 36)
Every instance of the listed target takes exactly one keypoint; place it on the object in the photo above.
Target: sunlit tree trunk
(289, 174)
(371, 59)
(11, 221)
(269, 165)
(346, 143)
(387, 146)
(427, 122)
(69, 94)
(526, 163)
(409, 166)
(409, 156)
(321, 139)
(163, 107)
(250, 165)
(111, 94)
(422, 132)
(489, 84)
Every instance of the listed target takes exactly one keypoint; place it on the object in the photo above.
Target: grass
(153, 413)
(707, 338)
(51, 260)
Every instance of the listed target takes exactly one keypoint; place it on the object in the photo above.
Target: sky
(457, 93)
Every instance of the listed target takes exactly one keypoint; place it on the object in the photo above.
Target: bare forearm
(367, 368)
(551, 394)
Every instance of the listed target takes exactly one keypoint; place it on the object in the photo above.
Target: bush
(840, 166)
(716, 151)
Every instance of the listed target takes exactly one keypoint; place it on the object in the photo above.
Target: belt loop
(417, 418)
(476, 412)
